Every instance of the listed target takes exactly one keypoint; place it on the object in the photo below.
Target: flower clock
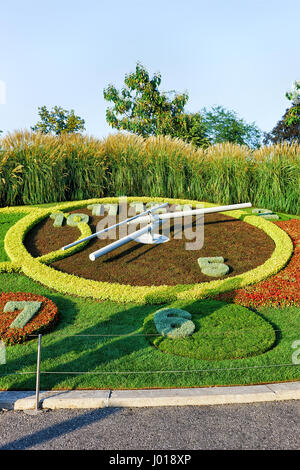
(44, 268)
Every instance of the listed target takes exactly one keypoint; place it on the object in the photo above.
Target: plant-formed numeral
(97, 209)
(58, 218)
(77, 218)
(265, 213)
(137, 207)
(296, 354)
(152, 205)
(2, 353)
(112, 209)
(174, 323)
(28, 310)
(213, 266)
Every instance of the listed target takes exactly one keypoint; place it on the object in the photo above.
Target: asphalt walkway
(270, 425)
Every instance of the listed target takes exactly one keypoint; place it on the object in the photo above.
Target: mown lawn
(130, 361)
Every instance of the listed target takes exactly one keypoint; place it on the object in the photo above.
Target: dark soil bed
(243, 246)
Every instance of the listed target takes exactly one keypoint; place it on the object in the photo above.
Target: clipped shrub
(74, 219)
(28, 310)
(24, 314)
(271, 216)
(205, 260)
(261, 211)
(266, 214)
(213, 266)
(97, 209)
(112, 209)
(58, 218)
(215, 269)
(174, 323)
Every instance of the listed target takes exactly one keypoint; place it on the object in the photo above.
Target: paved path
(271, 425)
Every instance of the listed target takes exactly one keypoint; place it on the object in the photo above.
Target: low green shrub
(174, 322)
(28, 310)
(213, 266)
(74, 219)
(58, 218)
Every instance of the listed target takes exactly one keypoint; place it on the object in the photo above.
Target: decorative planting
(265, 213)
(36, 269)
(213, 266)
(23, 315)
(174, 323)
(75, 219)
(283, 289)
(58, 218)
(27, 308)
(221, 331)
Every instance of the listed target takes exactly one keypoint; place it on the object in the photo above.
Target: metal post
(38, 363)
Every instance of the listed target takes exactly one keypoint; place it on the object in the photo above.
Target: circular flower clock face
(115, 286)
(23, 315)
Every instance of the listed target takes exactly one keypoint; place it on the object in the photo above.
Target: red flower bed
(283, 289)
(44, 320)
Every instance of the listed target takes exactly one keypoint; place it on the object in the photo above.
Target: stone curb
(86, 399)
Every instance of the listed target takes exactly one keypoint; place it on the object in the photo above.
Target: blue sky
(243, 55)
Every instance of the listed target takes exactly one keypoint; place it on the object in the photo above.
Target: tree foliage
(58, 121)
(293, 115)
(140, 107)
(224, 125)
(284, 132)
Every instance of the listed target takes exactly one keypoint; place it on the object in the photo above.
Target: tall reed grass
(36, 168)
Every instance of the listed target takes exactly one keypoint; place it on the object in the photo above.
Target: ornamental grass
(37, 168)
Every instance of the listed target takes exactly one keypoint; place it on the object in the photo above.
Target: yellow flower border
(36, 269)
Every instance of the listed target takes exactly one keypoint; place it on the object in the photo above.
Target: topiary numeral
(74, 219)
(97, 209)
(28, 310)
(58, 218)
(174, 323)
(213, 266)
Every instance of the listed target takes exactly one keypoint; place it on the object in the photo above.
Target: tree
(293, 115)
(224, 126)
(191, 128)
(140, 107)
(288, 128)
(283, 132)
(58, 121)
